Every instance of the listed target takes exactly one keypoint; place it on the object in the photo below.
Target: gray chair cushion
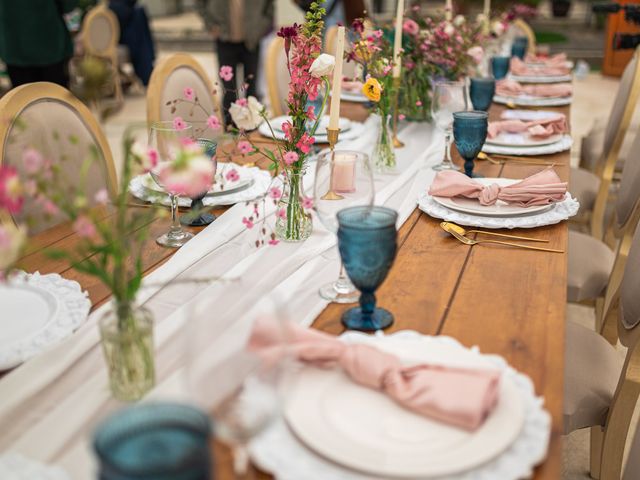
(591, 371)
(591, 146)
(584, 187)
(590, 264)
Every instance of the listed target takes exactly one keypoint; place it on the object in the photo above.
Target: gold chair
(100, 35)
(278, 77)
(527, 31)
(49, 118)
(349, 69)
(168, 81)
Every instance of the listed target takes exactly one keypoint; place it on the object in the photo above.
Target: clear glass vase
(127, 342)
(415, 96)
(384, 156)
(297, 225)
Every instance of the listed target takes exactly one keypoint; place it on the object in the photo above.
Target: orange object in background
(615, 60)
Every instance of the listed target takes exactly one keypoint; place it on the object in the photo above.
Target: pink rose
(226, 73)
(290, 157)
(244, 147)
(188, 93)
(84, 227)
(213, 122)
(410, 27)
(179, 123)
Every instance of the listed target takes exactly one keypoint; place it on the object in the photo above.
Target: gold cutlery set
(498, 159)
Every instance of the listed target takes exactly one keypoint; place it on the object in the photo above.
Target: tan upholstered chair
(591, 261)
(49, 118)
(168, 81)
(278, 77)
(632, 470)
(100, 35)
(527, 31)
(592, 188)
(601, 389)
(349, 69)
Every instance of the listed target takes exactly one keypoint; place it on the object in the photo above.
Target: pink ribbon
(542, 188)
(457, 396)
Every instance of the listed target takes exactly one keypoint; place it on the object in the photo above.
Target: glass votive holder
(519, 47)
(500, 66)
(481, 92)
(154, 441)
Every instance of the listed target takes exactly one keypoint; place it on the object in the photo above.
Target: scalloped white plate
(530, 101)
(542, 78)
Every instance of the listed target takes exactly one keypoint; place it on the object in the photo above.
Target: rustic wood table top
(507, 301)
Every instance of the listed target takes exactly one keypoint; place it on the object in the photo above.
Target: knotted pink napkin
(542, 188)
(557, 59)
(518, 67)
(457, 396)
(511, 88)
(536, 128)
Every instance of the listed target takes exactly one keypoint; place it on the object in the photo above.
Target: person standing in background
(237, 27)
(34, 41)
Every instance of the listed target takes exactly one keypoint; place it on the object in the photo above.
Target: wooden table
(506, 301)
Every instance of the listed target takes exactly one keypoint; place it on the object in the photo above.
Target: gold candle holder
(396, 141)
(332, 137)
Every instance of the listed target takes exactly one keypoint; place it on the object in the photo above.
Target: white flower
(497, 28)
(459, 20)
(12, 239)
(246, 114)
(256, 109)
(477, 53)
(449, 30)
(322, 66)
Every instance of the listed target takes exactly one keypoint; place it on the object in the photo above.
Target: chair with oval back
(278, 77)
(168, 81)
(100, 35)
(528, 32)
(349, 69)
(50, 119)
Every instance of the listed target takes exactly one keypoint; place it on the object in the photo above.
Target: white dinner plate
(506, 139)
(345, 126)
(356, 97)
(541, 78)
(531, 101)
(365, 430)
(499, 209)
(527, 115)
(221, 187)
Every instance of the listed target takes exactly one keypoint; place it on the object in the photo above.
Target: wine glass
(367, 239)
(165, 139)
(470, 133)
(500, 66)
(343, 179)
(448, 97)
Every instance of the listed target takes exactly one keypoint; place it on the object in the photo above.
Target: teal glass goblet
(519, 47)
(500, 67)
(469, 134)
(197, 217)
(367, 240)
(481, 92)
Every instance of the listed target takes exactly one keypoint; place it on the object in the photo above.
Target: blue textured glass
(160, 441)
(195, 218)
(519, 47)
(367, 240)
(469, 134)
(481, 91)
(500, 67)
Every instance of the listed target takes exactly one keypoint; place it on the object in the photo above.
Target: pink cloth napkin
(511, 88)
(457, 396)
(535, 128)
(518, 67)
(542, 188)
(557, 59)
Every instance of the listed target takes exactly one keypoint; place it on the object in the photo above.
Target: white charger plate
(499, 209)
(221, 187)
(530, 101)
(365, 430)
(521, 139)
(355, 97)
(527, 115)
(542, 78)
(561, 145)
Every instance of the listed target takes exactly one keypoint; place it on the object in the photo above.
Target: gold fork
(468, 241)
(450, 226)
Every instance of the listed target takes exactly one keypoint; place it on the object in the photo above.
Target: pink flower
(401, 116)
(290, 157)
(188, 93)
(281, 213)
(418, 103)
(305, 142)
(242, 102)
(49, 207)
(387, 69)
(32, 160)
(311, 114)
(30, 188)
(476, 53)
(84, 227)
(247, 222)
(232, 175)
(307, 203)
(213, 122)
(102, 196)
(378, 33)
(275, 193)
(274, 242)
(151, 159)
(286, 128)
(410, 27)
(226, 73)
(11, 198)
(244, 147)
(179, 123)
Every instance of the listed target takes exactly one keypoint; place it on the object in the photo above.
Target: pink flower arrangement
(226, 73)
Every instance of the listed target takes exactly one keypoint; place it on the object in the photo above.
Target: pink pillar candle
(344, 173)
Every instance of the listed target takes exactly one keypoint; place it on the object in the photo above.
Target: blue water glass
(154, 441)
(469, 134)
(367, 240)
(519, 47)
(500, 67)
(195, 218)
(481, 91)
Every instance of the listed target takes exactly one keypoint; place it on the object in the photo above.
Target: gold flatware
(451, 227)
(501, 160)
(468, 241)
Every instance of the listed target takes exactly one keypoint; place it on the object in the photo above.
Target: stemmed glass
(165, 139)
(367, 239)
(448, 97)
(470, 133)
(343, 179)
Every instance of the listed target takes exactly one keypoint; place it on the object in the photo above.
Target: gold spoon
(524, 160)
(468, 241)
(450, 227)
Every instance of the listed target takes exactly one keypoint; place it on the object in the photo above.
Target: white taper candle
(397, 41)
(334, 114)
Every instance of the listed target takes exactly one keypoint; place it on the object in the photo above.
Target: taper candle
(448, 10)
(487, 10)
(397, 41)
(334, 114)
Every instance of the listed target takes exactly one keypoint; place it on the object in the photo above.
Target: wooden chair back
(528, 32)
(278, 77)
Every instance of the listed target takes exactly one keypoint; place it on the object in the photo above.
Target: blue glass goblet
(154, 441)
(519, 47)
(196, 217)
(481, 91)
(367, 240)
(500, 67)
(469, 134)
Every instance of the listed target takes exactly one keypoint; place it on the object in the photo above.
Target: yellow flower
(372, 89)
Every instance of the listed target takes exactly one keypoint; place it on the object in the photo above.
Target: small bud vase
(384, 156)
(297, 225)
